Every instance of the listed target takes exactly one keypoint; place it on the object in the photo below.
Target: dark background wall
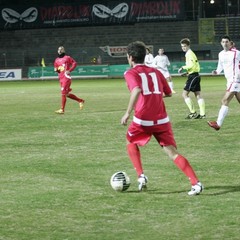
(23, 48)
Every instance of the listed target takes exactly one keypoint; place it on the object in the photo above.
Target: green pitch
(55, 169)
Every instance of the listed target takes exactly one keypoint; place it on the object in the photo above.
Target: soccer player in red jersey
(63, 65)
(147, 88)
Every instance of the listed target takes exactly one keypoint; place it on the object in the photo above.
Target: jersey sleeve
(238, 55)
(73, 64)
(168, 62)
(219, 66)
(131, 79)
(155, 61)
(55, 64)
(189, 61)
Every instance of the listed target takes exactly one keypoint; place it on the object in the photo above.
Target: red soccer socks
(183, 164)
(135, 157)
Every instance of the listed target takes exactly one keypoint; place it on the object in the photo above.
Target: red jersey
(150, 105)
(63, 64)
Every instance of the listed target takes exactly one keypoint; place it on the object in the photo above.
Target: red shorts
(141, 135)
(66, 87)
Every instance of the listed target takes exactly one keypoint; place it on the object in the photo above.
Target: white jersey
(161, 62)
(149, 60)
(228, 62)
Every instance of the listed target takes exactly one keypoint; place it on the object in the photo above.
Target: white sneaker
(60, 111)
(196, 189)
(81, 105)
(142, 182)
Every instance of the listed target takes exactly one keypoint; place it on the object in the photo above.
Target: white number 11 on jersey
(145, 86)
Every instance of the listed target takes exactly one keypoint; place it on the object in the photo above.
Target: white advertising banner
(119, 51)
(10, 74)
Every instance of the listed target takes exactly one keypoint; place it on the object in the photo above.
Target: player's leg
(201, 104)
(74, 97)
(200, 100)
(67, 89)
(64, 100)
(135, 156)
(64, 92)
(183, 164)
(189, 103)
(224, 108)
(237, 95)
(79, 100)
(170, 82)
(135, 136)
(166, 140)
(223, 111)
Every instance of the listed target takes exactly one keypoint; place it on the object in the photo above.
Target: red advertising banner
(82, 14)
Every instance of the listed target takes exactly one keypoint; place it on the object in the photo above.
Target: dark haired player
(63, 65)
(228, 62)
(148, 87)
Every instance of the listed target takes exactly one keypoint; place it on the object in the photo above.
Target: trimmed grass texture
(55, 169)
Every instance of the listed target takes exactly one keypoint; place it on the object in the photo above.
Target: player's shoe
(60, 111)
(173, 91)
(81, 104)
(200, 116)
(191, 115)
(142, 182)
(213, 124)
(196, 189)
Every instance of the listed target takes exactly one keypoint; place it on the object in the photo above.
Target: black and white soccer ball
(120, 181)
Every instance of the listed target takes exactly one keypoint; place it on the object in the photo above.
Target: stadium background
(91, 39)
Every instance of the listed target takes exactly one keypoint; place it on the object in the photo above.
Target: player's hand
(125, 119)
(59, 69)
(214, 72)
(180, 70)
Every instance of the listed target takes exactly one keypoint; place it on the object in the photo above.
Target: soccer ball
(120, 181)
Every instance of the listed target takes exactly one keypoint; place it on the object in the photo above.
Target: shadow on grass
(208, 191)
(156, 191)
(220, 190)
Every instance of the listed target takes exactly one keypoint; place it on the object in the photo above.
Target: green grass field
(55, 169)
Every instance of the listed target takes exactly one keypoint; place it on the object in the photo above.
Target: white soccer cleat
(142, 182)
(81, 104)
(196, 189)
(60, 111)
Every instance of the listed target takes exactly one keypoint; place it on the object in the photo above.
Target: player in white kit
(148, 60)
(228, 62)
(161, 62)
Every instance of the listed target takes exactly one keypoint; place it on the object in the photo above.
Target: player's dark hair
(137, 50)
(185, 41)
(226, 37)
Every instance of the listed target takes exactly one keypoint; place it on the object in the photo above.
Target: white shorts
(233, 87)
(165, 73)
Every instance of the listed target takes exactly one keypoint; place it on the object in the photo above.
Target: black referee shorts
(193, 83)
